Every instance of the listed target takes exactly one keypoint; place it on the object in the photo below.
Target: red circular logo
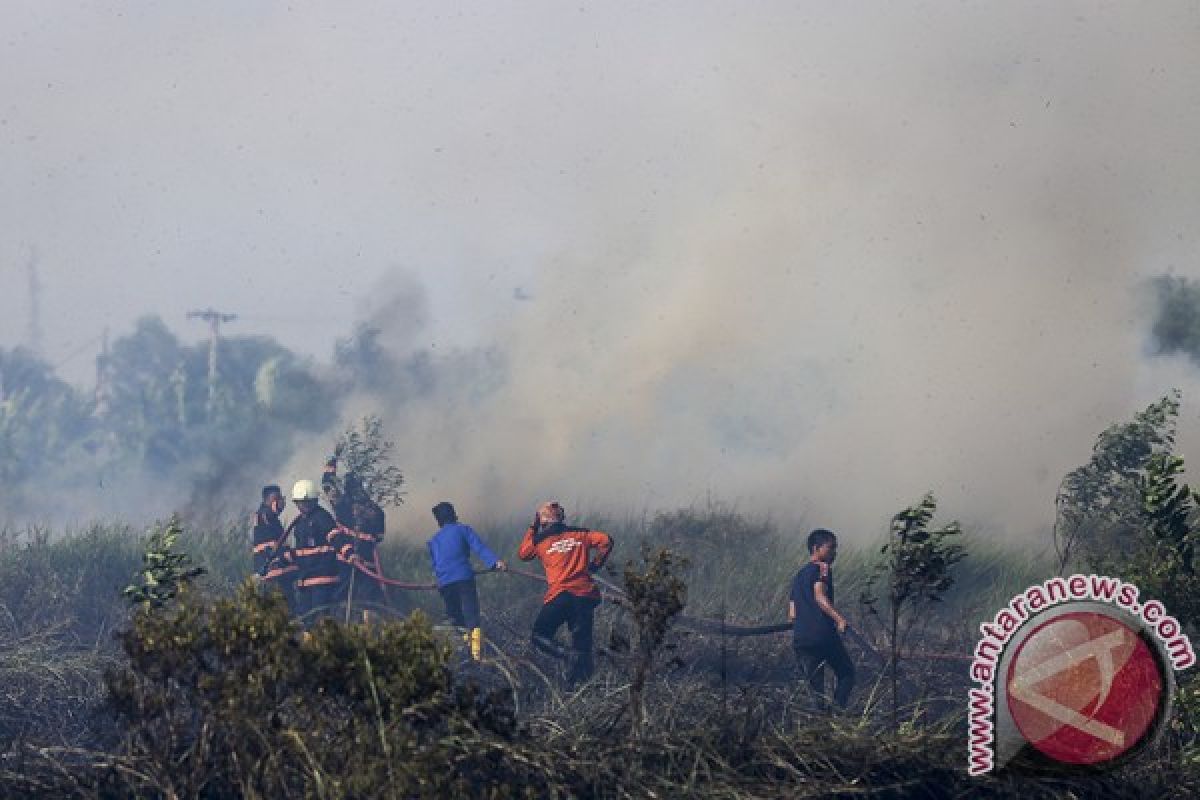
(1084, 688)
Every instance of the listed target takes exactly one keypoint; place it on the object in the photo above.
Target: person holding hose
(817, 624)
(450, 553)
(572, 596)
(321, 548)
(273, 563)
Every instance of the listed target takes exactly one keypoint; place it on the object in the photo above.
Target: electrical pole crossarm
(214, 319)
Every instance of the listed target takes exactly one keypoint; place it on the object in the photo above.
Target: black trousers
(462, 603)
(577, 612)
(285, 584)
(311, 598)
(814, 658)
(363, 590)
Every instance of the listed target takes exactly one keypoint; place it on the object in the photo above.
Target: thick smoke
(811, 259)
(845, 259)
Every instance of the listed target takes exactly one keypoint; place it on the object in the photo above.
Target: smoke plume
(810, 259)
(823, 266)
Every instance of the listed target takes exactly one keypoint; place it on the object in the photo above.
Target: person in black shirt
(816, 623)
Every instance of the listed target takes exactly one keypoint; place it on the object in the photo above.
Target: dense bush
(231, 699)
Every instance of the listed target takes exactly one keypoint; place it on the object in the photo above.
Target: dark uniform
(362, 520)
(322, 548)
(273, 561)
(366, 533)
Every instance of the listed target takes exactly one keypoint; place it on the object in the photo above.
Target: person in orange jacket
(572, 596)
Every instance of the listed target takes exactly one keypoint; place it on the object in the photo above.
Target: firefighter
(366, 529)
(273, 561)
(572, 596)
(450, 553)
(321, 551)
(363, 521)
(334, 494)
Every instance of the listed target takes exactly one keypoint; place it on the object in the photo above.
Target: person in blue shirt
(450, 552)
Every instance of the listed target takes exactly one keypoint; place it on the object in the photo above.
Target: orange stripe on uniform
(320, 580)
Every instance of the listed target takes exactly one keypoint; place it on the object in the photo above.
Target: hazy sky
(818, 254)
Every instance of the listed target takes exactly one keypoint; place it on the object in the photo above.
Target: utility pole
(35, 303)
(214, 319)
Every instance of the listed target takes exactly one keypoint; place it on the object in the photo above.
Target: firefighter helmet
(304, 490)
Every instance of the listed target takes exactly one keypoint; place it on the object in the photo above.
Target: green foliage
(364, 450)
(1126, 514)
(916, 561)
(1162, 561)
(1161, 564)
(1185, 726)
(915, 567)
(232, 699)
(164, 572)
(151, 417)
(1099, 505)
(42, 421)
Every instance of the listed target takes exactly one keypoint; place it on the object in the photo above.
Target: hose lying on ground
(612, 593)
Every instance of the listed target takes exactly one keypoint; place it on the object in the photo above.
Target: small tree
(365, 451)
(164, 572)
(655, 596)
(915, 568)
(1161, 561)
(1099, 504)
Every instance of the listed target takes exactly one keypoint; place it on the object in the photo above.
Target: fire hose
(615, 595)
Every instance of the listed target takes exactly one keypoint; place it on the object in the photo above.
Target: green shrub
(230, 698)
(915, 572)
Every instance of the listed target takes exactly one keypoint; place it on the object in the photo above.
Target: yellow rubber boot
(476, 641)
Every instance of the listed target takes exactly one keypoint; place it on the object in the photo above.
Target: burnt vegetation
(144, 664)
(194, 684)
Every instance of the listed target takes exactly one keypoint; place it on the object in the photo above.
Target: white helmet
(304, 490)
